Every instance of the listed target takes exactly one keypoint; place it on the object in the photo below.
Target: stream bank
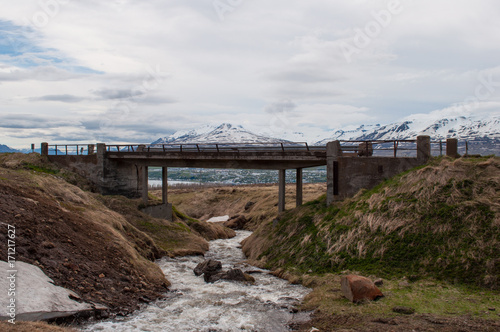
(193, 305)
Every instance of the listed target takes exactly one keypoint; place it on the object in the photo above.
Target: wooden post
(299, 187)
(281, 190)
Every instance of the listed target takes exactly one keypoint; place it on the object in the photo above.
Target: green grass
(446, 232)
(425, 296)
(41, 169)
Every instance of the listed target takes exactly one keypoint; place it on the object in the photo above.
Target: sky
(131, 71)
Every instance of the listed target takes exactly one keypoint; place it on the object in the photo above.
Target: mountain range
(483, 134)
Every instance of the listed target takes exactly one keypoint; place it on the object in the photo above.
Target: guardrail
(71, 149)
(215, 147)
(368, 147)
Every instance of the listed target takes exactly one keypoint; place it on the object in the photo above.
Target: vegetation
(439, 221)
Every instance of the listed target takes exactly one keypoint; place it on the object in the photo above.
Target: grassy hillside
(102, 248)
(441, 220)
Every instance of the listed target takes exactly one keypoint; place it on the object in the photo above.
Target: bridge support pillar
(452, 147)
(164, 185)
(281, 190)
(333, 151)
(299, 187)
(145, 184)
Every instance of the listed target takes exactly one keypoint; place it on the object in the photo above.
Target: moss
(41, 169)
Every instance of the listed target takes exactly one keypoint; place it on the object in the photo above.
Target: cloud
(62, 98)
(282, 106)
(31, 121)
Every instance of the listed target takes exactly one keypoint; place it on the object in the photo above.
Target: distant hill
(5, 148)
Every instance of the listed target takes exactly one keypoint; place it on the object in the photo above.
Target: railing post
(44, 149)
(423, 148)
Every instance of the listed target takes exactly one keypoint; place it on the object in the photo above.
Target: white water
(193, 305)
(218, 219)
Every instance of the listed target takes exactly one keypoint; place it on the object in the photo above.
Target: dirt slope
(102, 248)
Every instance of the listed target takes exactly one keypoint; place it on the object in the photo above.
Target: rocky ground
(106, 256)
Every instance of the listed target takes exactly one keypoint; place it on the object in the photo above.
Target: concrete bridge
(123, 169)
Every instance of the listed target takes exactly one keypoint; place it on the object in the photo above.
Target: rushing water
(193, 305)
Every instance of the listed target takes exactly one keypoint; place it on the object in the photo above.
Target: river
(193, 305)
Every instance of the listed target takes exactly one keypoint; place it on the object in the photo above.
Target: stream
(193, 305)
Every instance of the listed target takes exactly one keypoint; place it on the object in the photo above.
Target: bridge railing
(215, 147)
(71, 149)
(380, 147)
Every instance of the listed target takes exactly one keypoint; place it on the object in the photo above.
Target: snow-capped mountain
(225, 133)
(462, 128)
(483, 134)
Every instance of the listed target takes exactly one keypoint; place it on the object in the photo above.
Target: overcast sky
(133, 71)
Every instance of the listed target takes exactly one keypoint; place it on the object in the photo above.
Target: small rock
(249, 205)
(48, 245)
(403, 310)
(236, 222)
(101, 275)
(357, 288)
(378, 282)
(404, 284)
(17, 216)
(208, 267)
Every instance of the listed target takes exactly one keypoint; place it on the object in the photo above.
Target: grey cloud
(282, 106)
(31, 121)
(62, 98)
(117, 93)
(306, 75)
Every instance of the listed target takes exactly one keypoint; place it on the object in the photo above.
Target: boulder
(236, 222)
(208, 267)
(357, 288)
(233, 274)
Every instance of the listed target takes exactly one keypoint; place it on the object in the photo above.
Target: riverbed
(193, 305)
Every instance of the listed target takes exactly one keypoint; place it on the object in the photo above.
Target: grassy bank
(439, 221)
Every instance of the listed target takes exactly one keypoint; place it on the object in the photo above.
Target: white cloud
(92, 56)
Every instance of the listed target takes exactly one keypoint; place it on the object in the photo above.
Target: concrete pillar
(333, 151)
(281, 190)
(90, 149)
(423, 148)
(299, 187)
(164, 184)
(44, 149)
(144, 177)
(452, 147)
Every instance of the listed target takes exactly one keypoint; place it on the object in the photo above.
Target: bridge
(351, 165)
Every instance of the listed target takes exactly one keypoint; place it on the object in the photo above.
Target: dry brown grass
(204, 203)
(33, 327)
